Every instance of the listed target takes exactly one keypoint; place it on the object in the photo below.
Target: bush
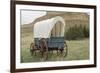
(77, 32)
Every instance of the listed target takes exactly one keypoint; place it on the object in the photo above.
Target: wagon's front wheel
(65, 49)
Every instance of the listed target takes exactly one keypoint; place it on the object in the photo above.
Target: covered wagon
(52, 30)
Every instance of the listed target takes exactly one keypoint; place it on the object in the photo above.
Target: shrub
(77, 32)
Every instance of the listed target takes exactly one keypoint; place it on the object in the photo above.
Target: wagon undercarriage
(53, 45)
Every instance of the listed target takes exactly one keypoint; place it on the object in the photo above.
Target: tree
(77, 32)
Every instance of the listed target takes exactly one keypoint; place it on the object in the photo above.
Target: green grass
(77, 50)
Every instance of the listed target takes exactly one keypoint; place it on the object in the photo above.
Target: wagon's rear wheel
(43, 49)
(65, 49)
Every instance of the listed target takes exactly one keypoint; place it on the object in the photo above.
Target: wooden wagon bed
(54, 43)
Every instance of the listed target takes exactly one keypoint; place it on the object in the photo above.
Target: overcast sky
(29, 16)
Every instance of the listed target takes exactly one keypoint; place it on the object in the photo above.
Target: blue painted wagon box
(48, 36)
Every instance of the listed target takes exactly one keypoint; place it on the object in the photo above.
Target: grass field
(77, 50)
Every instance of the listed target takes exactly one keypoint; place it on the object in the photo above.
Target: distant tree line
(77, 32)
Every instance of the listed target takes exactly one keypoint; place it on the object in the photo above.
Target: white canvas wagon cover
(42, 29)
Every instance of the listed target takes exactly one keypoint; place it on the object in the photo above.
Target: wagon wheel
(43, 49)
(65, 49)
(32, 48)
